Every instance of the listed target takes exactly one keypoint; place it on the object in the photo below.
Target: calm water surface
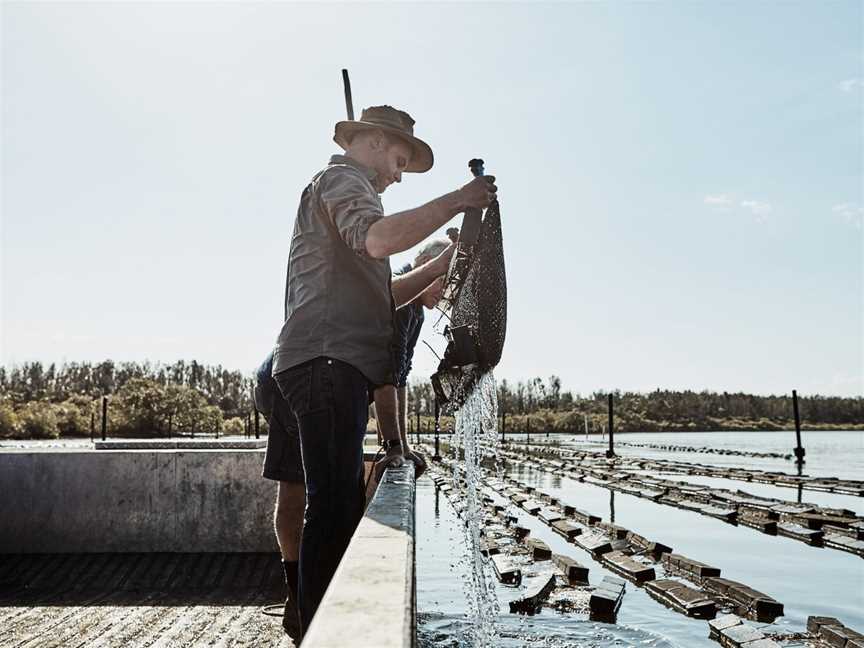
(829, 454)
(808, 580)
(441, 603)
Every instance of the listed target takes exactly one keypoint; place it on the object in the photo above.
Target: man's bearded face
(390, 161)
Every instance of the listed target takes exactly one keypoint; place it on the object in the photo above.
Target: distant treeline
(550, 407)
(147, 399)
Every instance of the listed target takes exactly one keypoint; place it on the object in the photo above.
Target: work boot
(291, 614)
(291, 618)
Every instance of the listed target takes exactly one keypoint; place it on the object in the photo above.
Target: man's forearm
(404, 230)
(406, 287)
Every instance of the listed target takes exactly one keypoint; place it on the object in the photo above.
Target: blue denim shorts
(282, 460)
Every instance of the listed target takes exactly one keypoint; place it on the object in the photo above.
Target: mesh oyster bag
(478, 315)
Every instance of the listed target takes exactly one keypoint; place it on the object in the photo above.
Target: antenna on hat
(349, 104)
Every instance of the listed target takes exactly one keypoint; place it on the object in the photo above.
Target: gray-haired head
(430, 250)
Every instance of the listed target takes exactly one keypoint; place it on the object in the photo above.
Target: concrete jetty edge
(371, 600)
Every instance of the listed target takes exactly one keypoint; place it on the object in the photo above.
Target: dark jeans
(330, 401)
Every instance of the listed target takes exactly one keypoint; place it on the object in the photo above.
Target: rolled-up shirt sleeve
(352, 205)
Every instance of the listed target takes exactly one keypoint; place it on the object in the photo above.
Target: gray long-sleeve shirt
(338, 301)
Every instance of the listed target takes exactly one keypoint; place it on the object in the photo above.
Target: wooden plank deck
(138, 599)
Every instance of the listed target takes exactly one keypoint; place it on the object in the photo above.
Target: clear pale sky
(680, 182)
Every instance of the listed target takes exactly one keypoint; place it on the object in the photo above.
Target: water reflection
(611, 506)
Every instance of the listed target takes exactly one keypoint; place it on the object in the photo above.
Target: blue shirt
(265, 387)
(406, 324)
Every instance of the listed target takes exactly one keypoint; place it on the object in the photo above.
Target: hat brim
(421, 156)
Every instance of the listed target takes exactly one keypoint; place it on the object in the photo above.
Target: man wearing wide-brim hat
(335, 346)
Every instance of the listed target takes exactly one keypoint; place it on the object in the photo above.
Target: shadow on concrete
(164, 579)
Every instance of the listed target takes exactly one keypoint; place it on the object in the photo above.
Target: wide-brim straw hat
(393, 122)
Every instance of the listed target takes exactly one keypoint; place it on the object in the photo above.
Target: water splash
(446, 631)
(476, 439)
